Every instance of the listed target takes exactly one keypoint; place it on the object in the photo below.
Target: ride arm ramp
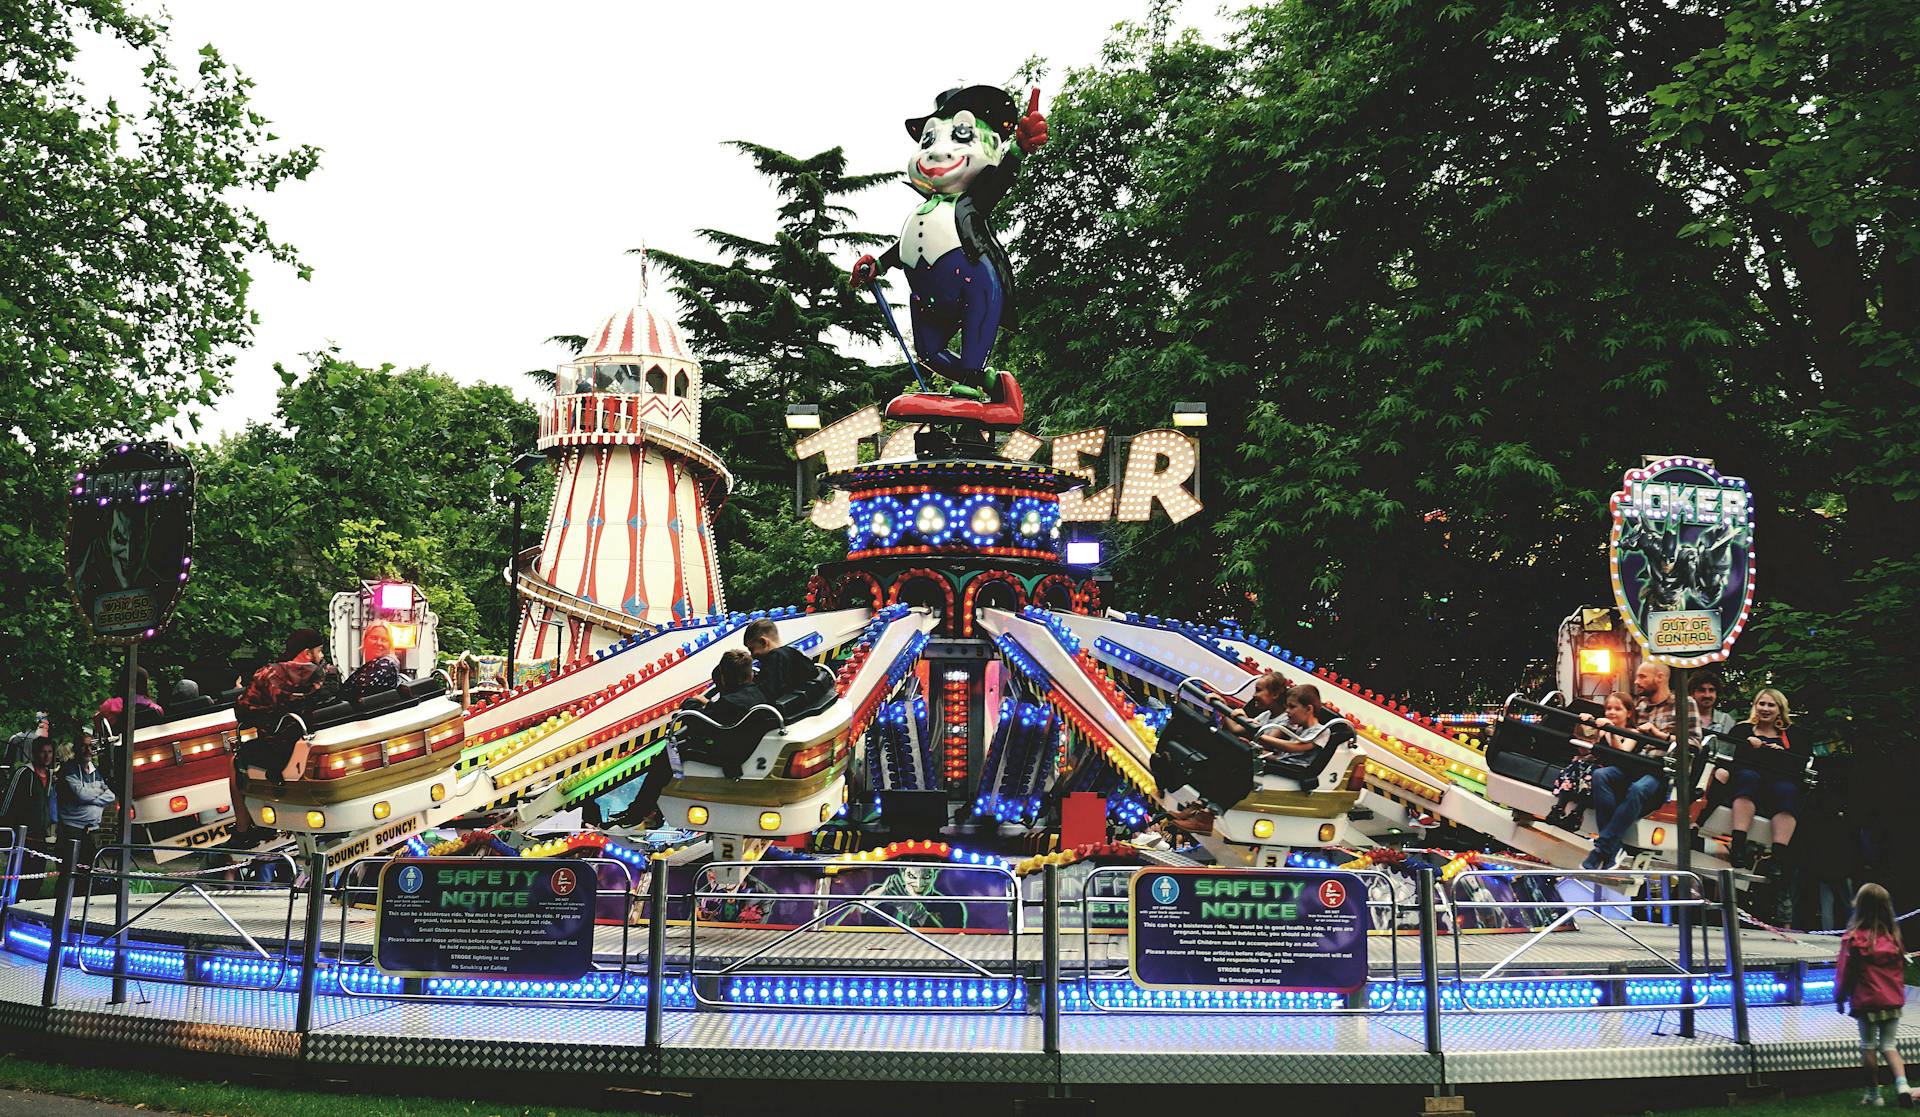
(1411, 766)
(1065, 672)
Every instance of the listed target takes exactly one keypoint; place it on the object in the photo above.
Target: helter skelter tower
(629, 539)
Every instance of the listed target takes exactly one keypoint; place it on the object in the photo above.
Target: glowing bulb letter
(1020, 447)
(1069, 450)
(840, 442)
(1145, 481)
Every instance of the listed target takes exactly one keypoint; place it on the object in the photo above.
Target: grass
(226, 1099)
(1810, 1105)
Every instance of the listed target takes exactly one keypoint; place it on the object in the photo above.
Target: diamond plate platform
(1003, 1048)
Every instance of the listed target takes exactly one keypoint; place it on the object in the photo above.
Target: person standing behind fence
(29, 809)
(1870, 984)
(84, 797)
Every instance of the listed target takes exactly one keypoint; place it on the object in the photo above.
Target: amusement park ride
(960, 652)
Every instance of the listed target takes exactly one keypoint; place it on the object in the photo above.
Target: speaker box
(913, 814)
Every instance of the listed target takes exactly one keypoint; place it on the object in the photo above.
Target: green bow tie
(933, 203)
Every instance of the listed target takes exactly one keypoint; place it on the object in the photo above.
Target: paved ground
(14, 1103)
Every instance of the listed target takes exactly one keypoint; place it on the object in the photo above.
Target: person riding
(379, 668)
(146, 710)
(1704, 689)
(782, 670)
(1620, 797)
(1765, 777)
(735, 697)
(299, 683)
(1574, 784)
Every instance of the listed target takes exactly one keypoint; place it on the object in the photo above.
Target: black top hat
(989, 104)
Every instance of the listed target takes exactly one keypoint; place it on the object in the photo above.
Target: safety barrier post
(1050, 970)
(10, 893)
(1736, 964)
(57, 938)
(656, 954)
(1429, 960)
(310, 944)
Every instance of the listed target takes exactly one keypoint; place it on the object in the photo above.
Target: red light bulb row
(954, 694)
(1108, 689)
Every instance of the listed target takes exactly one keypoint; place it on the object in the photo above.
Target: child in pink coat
(1870, 983)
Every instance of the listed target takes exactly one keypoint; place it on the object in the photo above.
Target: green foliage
(123, 288)
(1444, 270)
(370, 473)
(768, 320)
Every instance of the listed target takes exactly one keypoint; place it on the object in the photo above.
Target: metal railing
(261, 965)
(997, 981)
(1599, 905)
(349, 976)
(1118, 976)
(828, 910)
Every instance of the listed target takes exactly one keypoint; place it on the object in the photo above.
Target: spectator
(297, 685)
(1574, 784)
(782, 670)
(20, 746)
(1765, 777)
(1869, 984)
(31, 807)
(1704, 689)
(83, 796)
(1621, 798)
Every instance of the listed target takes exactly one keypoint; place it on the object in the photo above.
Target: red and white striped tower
(629, 542)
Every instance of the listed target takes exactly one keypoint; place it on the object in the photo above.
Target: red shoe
(1005, 414)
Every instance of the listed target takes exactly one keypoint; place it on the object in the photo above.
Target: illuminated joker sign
(129, 539)
(1158, 469)
(1681, 555)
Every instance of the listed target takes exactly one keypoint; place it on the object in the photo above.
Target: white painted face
(953, 151)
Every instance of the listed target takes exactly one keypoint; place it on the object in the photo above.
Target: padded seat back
(1194, 753)
(191, 707)
(429, 687)
(1308, 769)
(381, 701)
(727, 746)
(816, 695)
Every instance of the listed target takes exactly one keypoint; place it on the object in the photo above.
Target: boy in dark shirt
(783, 670)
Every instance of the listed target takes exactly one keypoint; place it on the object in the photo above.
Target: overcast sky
(485, 168)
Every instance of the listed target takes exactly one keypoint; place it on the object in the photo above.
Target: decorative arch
(1088, 599)
(973, 593)
(897, 592)
(1056, 591)
(656, 379)
(841, 593)
(681, 383)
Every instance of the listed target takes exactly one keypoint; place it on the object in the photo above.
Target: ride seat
(726, 747)
(1194, 752)
(812, 697)
(1307, 770)
(191, 707)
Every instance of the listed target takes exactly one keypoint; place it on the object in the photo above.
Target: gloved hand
(863, 271)
(1031, 129)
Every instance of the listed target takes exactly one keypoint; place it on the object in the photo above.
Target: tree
(1435, 268)
(123, 290)
(769, 322)
(369, 473)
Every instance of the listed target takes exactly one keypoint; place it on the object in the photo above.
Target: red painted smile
(937, 172)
